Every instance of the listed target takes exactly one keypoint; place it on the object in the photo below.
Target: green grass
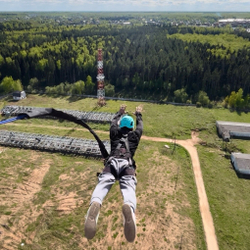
(229, 199)
(228, 195)
(160, 120)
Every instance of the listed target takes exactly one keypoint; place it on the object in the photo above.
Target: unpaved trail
(189, 145)
(206, 216)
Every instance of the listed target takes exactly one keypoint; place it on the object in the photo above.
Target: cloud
(127, 2)
(128, 5)
(154, 2)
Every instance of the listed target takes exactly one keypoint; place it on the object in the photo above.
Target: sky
(126, 5)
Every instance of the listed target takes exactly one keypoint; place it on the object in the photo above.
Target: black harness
(122, 150)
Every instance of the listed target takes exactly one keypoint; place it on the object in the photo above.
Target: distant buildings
(234, 22)
(79, 19)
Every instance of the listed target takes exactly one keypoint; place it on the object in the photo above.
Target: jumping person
(119, 166)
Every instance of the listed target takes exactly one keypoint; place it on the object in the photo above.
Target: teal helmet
(127, 121)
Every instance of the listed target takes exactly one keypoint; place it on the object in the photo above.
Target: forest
(148, 61)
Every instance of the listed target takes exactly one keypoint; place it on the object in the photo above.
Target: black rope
(62, 115)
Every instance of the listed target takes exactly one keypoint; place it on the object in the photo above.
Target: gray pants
(116, 169)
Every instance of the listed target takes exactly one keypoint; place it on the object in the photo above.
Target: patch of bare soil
(165, 227)
(63, 201)
(18, 197)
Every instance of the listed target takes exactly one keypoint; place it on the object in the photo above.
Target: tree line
(139, 61)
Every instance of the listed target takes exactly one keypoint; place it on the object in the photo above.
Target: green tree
(136, 80)
(33, 85)
(109, 90)
(203, 98)
(247, 101)
(78, 88)
(60, 89)
(89, 85)
(17, 85)
(42, 64)
(180, 95)
(8, 85)
(59, 64)
(239, 98)
(1, 60)
(235, 100)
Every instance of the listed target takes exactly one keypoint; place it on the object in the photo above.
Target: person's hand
(138, 110)
(122, 109)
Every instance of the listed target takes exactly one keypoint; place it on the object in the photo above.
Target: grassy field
(45, 196)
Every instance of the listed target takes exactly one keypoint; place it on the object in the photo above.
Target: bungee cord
(58, 114)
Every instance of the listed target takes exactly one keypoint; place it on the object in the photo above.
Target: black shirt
(134, 136)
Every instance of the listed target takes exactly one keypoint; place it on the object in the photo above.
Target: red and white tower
(100, 79)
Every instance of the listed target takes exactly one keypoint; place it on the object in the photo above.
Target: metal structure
(100, 79)
(229, 130)
(97, 117)
(65, 145)
(241, 164)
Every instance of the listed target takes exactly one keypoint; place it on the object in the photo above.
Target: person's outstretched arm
(139, 122)
(115, 122)
(118, 115)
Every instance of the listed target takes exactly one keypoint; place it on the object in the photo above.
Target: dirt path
(206, 216)
(189, 145)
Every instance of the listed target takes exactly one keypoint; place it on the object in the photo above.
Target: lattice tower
(100, 80)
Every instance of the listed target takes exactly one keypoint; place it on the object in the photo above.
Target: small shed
(241, 164)
(18, 95)
(229, 130)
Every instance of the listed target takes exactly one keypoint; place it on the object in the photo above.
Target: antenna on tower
(100, 80)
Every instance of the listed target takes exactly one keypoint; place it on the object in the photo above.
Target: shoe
(129, 223)
(91, 220)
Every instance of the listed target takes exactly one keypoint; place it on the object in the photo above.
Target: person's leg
(128, 187)
(105, 182)
(91, 220)
(129, 222)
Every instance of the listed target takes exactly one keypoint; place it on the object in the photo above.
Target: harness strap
(124, 140)
(110, 168)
